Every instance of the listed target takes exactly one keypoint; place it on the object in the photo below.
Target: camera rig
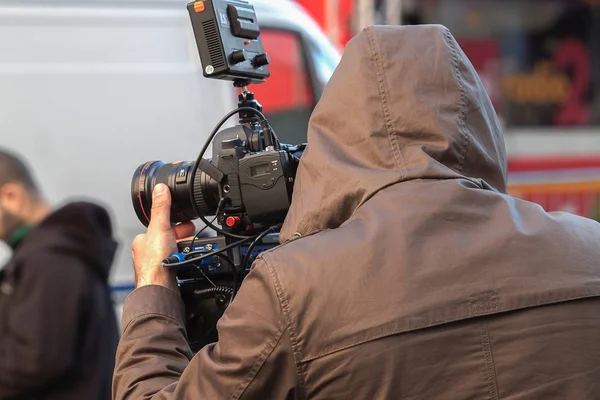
(246, 185)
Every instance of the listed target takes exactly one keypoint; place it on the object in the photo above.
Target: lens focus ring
(201, 183)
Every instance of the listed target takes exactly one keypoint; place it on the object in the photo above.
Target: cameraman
(406, 272)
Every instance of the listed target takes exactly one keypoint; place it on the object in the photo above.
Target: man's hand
(159, 242)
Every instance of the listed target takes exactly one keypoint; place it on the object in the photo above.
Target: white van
(90, 89)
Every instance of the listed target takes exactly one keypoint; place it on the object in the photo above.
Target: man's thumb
(160, 216)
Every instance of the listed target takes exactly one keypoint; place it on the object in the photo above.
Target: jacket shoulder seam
(396, 328)
(287, 242)
(385, 106)
(285, 308)
(463, 97)
(491, 377)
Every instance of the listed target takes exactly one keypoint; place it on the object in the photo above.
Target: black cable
(219, 207)
(249, 251)
(226, 258)
(229, 246)
(215, 286)
(233, 267)
(213, 291)
(201, 155)
(200, 232)
(266, 127)
(254, 243)
(211, 254)
(206, 277)
(234, 275)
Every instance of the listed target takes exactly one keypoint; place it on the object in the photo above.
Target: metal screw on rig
(186, 250)
(221, 300)
(209, 247)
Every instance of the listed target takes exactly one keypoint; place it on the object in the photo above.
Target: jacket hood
(404, 103)
(80, 228)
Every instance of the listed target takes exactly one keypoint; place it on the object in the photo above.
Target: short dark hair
(14, 170)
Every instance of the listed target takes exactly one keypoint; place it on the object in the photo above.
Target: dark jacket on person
(58, 331)
(406, 270)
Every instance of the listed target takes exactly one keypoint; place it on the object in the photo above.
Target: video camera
(246, 185)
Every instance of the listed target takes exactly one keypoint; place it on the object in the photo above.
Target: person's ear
(13, 197)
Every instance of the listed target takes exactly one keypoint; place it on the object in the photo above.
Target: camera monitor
(228, 39)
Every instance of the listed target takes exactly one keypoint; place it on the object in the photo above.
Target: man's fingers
(160, 216)
(184, 230)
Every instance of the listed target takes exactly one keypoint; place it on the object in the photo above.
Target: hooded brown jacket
(411, 273)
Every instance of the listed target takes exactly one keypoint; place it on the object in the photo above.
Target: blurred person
(406, 271)
(58, 330)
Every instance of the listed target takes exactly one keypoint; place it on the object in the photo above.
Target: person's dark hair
(14, 170)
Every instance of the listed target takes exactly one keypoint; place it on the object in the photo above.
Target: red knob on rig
(232, 221)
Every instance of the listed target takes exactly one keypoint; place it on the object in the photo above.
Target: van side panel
(90, 91)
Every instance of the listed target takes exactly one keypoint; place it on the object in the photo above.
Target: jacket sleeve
(38, 333)
(252, 360)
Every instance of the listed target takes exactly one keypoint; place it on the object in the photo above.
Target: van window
(286, 96)
(324, 65)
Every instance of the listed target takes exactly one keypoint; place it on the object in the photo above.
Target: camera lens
(178, 177)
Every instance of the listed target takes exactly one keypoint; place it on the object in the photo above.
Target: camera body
(250, 173)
